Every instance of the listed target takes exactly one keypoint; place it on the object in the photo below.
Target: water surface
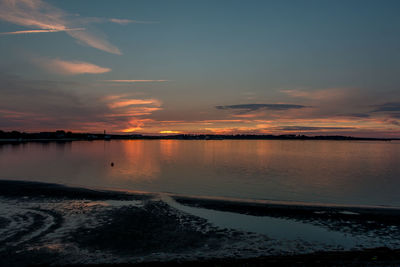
(342, 172)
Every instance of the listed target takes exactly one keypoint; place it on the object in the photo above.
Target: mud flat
(49, 224)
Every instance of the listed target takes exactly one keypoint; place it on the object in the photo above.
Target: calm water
(350, 172)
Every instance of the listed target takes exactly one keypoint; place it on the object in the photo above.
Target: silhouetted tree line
(69, 136)
(41, 135)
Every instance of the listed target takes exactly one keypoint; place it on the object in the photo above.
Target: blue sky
(159, 66)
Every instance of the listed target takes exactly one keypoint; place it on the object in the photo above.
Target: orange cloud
(131, 112)
(249, 115)
(72, 67)
(132, 129)
(122, 107)
(130, 102)
(169, 132)
(135, 125)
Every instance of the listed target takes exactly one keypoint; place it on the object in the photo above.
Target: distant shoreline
(52, 137)
(67, 136)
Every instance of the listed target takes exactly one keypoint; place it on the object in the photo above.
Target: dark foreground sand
(48, 224)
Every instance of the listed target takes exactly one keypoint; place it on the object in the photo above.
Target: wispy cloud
(311, 128)
(135, 81)
(42, 16)
(72, 67)
(388, 107)
(338, 102)
(332, 93)
(128, 21)
(131, 102)
(41, 31)
(32, 13)
(38, 105)
(253, 107)
(11, 114)
(88, 20)
(356, 115)
(121, 21)
(391, 110)
(95, 41)
(126, 106)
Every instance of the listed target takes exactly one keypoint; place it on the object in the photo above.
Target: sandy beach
(50, 224)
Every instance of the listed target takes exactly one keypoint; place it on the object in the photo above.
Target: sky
(214, 67)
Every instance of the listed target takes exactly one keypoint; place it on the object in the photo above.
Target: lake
(340, 172)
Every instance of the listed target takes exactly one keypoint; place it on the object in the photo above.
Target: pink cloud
(130, 102)
(95, 41)
(122, 21)
(73, 67)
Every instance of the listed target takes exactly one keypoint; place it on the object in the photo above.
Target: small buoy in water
(112, 164)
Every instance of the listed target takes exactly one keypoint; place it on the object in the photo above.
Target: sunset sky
(150, 67)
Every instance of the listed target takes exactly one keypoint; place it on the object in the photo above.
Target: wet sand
(49, 224)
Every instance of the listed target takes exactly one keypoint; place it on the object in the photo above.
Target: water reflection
(169, 149)
(134, 160)
(320, 171)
